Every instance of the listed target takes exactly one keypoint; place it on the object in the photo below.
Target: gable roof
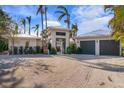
(96, 33)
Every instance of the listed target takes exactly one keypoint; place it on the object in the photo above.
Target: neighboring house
(59, 38)
(22, 39)
(99, 42)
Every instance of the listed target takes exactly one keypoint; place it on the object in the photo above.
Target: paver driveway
(61, 71)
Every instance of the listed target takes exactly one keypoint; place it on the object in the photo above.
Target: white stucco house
(97, 42)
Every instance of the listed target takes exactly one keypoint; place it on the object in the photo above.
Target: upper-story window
(61, 33)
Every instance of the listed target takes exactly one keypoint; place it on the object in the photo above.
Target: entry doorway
(60, 45)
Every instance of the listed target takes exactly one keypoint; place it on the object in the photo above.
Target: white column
(67, 39)
(97, 47)
(78, 42)
(53, 38)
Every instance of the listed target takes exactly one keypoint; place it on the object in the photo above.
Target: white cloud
(53, 23)
(91, 18)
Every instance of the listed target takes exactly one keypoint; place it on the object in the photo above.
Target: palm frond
(61, 16)
(60, 12)
(63, 8)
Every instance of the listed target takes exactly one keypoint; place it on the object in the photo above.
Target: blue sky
(88, 17)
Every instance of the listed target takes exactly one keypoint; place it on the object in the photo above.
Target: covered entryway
(109, 47)
(88, 47)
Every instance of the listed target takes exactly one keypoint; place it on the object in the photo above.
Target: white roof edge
(25, 36)
(58, 27)
(78, 37)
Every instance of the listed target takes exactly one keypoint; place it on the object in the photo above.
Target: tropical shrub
(79, 50)
(30, 50)
(38, 49)
(3, 45)
(26, 50)
(49, 46)
(68, 50)
(72, 49)
(53, 50)
(58, 49)
(21, 50)
(15, 50)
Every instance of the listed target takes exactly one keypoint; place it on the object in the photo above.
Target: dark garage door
(88, 47)
(109, 47)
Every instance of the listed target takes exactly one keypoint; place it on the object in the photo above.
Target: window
(60, 33)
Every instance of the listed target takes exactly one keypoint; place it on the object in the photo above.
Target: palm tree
(29, 23)
(74, 30)
(36, 28)
(23, 22)
(117, 22)
(12, 35)
(46, 16)
(5, 22)
(41, 11)
(63, 13)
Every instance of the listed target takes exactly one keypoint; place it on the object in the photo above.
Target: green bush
(68, 50)
(15, 50)
(53, 50)
(79, 50)
(38, 49)
(122, 52)
(49, 46)
(72, 49)
(26, 50)
(3, 45)
(31, 51)
(58, 49)
(21, 50)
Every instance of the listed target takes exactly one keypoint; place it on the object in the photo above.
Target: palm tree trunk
(46, 16)
(68, 21)
(12, 46)
(24, 29)
(29, 28)
(42, 22)
(37, 33)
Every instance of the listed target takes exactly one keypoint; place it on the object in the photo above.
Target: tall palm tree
(13, 33)
(41, 12)
(74, 30)
(63, 12)
(46, 16)
(117, 22)
(29, 23)
(23, 22)
(36, 28)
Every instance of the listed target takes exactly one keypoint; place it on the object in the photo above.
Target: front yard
(43, 71)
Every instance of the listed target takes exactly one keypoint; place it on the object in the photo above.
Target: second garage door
(88, 47)
(109, 47)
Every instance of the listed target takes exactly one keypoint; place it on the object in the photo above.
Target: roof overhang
(93, 37)
(58, 28)
(23, 36)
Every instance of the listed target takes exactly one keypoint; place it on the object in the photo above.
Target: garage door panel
(88, 47)
(109, 47)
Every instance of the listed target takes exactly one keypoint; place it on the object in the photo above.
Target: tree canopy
(5, 22)
(117, 22)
